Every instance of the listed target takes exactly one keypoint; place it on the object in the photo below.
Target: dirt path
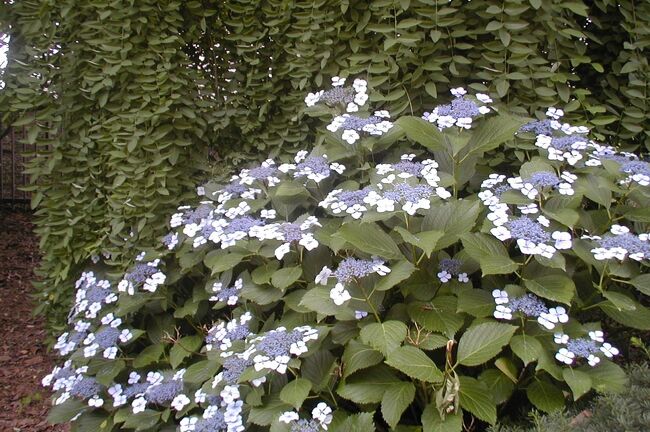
(24, 359)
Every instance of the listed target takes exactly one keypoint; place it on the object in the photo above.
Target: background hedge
(134, 97)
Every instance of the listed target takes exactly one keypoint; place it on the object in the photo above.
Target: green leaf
(607, 377)
(395, 400)
(371, 239)
(454, 218)
(431, 421)
(439, 315)
(545, 396)
(201, 371)
(415, 363)
(489, 252)
(482, 342)
(476, 302)
(638, 318)
(527, 348)
(218, 261)
(142, 420)
(642, 283)
(183, 348)
(296, 392)
(358, 356)
(356, 423)
(260, 294)
(285, 277)
(425, 240)
(64, 412)
(265, 415)
(554, 287)
(385, 337)
(578, 381)
(475, 398)
(149, 355)
(422, 132)
(621, 301)
(494, 132)
(398, 272)
(500, 387)
(368, 385)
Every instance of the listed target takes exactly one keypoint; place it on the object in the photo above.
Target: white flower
(188, 424)
(597, 336)
(561, 338)
(139, 405)
(360, 85)
(593, 360)
(321, 278)
(619, 229)
(360, 98)
(609, 350)
(501, 232)
(313, 98)
(350, 136)
(458, 91)
(339, 294)
(323, 414)
(110, 353)
(483, 98)
(464, 122)
(500, 297)
(502, 312)
(180, 402)
(95, 401)
(337, 81)
(359, 314)
(289, 416)
(462, 277)
(444, 276)
(352, 107)
(543, 220)
(562, 240)
(554, 113)
(282, 250)
(565, 356)
(565, 189)
(230, 393)
(268, 214)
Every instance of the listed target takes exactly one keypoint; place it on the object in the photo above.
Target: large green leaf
(142, 420)
(607, 377)
(295, 392)
(422, 132)
(183, 348)
(494, 132)
(64, 412)
(385, 337)
(578, 381)
(425, 240)
(482, 342)
(439, 315)
(414, 363)
(398, 272)
(454, 218)
(395, 400)
(638, 318)
(431, 421)
(545, 396)
(285, 277)
(369, 238)
(368, 385)
(475, 398)
(527, 348)
(642, 283)
(555, 287)
(489, 252)
(359, 356)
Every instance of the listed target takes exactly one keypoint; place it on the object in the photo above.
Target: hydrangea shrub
(408, 274)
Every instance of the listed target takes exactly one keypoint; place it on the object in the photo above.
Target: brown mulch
(24, 358)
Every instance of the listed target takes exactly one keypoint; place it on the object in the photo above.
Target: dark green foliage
(628, 411)
(126, 95)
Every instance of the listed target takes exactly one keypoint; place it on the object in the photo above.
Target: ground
(24, 358)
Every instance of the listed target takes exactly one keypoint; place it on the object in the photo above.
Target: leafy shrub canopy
(406, 273)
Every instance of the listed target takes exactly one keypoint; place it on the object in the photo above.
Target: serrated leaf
(489, 252)
(578, 381)
(142, 420)
(149, 355)
(494, 132)
(475, 398)
(482, 342)
(607, 377)
(358, 356)
(395, 400)
(476, 302)
(431, 421)
(64, 412)
(201, 371)
(415, 363)
(285, 277)
(296, 392)
(357, 422)
(422, 132)
(554, 287)
(527, 348)
(425, 240)
(439, 315)
(270, 411)
(368, 385)
(183, 348)
(500, 387)
(545, 396)
(218, 261)
(398, 272)
(621, 301)
(638, 318)
(454, 218)
(369, 238)
(385, 337)
(642, 283)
